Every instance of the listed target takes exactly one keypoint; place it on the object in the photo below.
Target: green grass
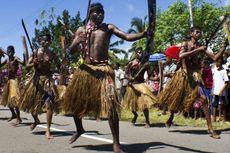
(157, 118)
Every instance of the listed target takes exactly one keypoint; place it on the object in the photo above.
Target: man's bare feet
(214, 135)
(18, 121)
(12, 117)
(33, 126)
(117, 148)
(168, 124)
(134, 119)
(147, 125)
(76, 136)
(98, 119)
(16, 124)
(48, 135)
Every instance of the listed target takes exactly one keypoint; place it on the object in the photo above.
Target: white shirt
(219, 79)
(119, 75)
(168, 69)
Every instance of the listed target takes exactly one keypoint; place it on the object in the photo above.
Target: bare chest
(43, 56)
(12, 64)
(99, 38)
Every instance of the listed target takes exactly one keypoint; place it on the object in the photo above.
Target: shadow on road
(4, 109)
(4, 118)
(57, 124)
(54, 133)
(152, 125)
(23, 124)
(226, 131)
(199, 132)
(68, 133)
(139, 147)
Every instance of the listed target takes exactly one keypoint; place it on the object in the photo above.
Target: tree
(49, 23)
(172, 25)
(137, 25)
(115, 59)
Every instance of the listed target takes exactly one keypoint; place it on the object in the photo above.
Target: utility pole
(190, 12)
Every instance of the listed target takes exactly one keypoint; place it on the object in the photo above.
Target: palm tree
(118, 56)
(137, 25)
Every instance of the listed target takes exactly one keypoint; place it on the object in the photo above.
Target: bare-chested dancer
(11, 92)
(138, 95)
(92, 87)
(184, 87)
(40, 90)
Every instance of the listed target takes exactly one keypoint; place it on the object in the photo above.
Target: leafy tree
(207, 17)
(50, 23)
(172, 25)
(115, 59)
(137, 25)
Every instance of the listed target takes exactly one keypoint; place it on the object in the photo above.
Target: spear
(151, 29)
(27, 36)
(217, 29)
(87, 14)
(71, 33)
(86, 20)
(190, 13)
(150, 34)
(62, 79)
(25, 48)
(226, 28)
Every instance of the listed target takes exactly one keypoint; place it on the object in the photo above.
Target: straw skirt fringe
(11, 94)
(180, 92)
(32, 99)
(138, 97)
(91, 92)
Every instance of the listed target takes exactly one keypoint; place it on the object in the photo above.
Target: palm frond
(116, 43)
(132, 31)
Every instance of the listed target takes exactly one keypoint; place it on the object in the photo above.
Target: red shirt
(207, 77)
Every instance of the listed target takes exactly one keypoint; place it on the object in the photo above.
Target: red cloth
(207, 77)
(156, 86)
(197, 104)
(173, 51)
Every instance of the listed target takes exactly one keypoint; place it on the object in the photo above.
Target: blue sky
(118, 12)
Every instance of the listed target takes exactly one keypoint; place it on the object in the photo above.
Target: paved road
(178, 139)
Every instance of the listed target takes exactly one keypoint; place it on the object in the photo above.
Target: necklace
(86, 46)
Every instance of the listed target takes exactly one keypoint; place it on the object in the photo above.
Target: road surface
(157, 139)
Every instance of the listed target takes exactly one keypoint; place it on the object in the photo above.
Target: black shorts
(218, 100)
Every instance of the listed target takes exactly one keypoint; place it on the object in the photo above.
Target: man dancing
(40, 90)
(138, 95)
(92, 88)
(11, 92)
(185, 85)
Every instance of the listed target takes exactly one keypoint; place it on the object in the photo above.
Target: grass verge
(157, 118)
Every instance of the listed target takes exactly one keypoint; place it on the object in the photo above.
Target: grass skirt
(11, 94)
(138, 97)
(91, 91)
(61, 91)
(32, 99)
(180, 92)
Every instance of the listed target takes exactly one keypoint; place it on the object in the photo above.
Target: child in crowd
(220, 84)
(207, 78)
